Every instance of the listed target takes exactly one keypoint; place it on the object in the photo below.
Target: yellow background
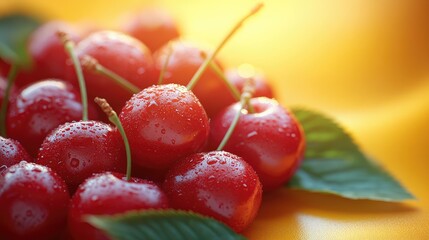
(364, 62)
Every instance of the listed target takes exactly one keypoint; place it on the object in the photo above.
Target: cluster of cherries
(209, 147)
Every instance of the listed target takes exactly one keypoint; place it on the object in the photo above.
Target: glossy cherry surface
(164, 123)
(271, 139)
(260, 83)
(47, 51)
(153, 26)
(77, 150)
(216, 184)
(33, 202)
(121, 54)
(41, 107)
(108, 194)
(12, 152)
(185, 59)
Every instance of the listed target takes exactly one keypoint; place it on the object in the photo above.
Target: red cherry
(164, 123)
(153, 26)
(260, 84)
(47, 51)
(122, 54)
(270, 139)
(41, 107)
(12, 152)
(108, 194)
(185, 59)
(33, 202)
(79, 149)
(216, 184)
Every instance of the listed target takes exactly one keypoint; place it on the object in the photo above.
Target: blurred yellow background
(364, 62)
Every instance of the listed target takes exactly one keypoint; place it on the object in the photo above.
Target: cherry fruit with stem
(270, 139)
(163, 124)
(121, 54)
(76, 150)
(111, 193)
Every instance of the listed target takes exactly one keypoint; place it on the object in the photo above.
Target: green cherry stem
(113, 117)
(165, 65)
(69, 47)
(207, 61)
(90, 63)
(10, 81)
(244, 100)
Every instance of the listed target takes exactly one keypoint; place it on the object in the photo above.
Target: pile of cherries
(57, 165)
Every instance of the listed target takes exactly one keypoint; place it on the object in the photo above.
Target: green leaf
(15, 30)
(334, 164)
(162, 224)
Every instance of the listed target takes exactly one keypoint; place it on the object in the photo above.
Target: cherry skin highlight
(270, 139)
(41, 107)
(121, 54)
(108, 194)
(47, 51)
(33, 202)
(12, 152)
(164, 123)
(152, 26)
(77, 150)
(239, 76)
(217, 184)
(185, 59)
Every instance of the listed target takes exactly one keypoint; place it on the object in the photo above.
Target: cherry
(123, 55)
(108, 194)
(47, 51)
(216, 184)
(239, 76)
(184, 60)
(270, 139)
(153, 26)
(76, 150)
(33, 202)
(39, 108)
(12, 152)
(164, 123)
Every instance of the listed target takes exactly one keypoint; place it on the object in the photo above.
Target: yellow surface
(364, 62)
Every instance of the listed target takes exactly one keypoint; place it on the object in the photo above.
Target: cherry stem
(244, 100)
(113, 117)
(207, 61)
(249, 87)
(11, 76)
(164, 67)
(90, 63)
(69, 47)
